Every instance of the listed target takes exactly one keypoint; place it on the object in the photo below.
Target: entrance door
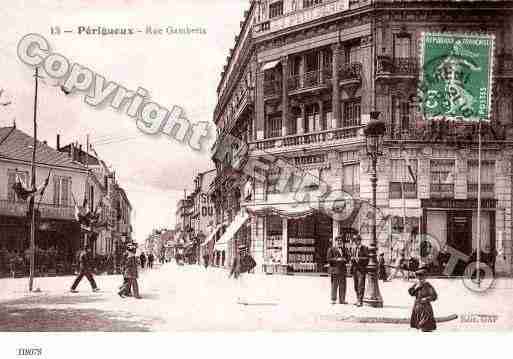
(459, 234)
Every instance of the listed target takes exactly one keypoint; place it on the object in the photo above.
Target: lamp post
(374, 132)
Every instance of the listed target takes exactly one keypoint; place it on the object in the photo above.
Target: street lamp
(374, 132)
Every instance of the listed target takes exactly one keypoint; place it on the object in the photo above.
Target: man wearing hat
(242, 263)
(359, 261)
(337, 258)
(85, 260)
(130, 274)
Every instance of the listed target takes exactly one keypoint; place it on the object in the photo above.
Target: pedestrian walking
(399, 266)
(151, 259)
(124, 291)
(242, 263)
(205, 260)
(142, 258)
(422, 316)
(359, 261)
(86, 266)
(382, 270)
(130, 274)
(337, 258)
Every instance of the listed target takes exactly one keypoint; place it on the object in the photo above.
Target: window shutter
(11, 179)
(65, 192)
(56, 191)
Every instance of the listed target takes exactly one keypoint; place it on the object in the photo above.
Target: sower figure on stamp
(337, 258)
(86, 263)
(359, 261)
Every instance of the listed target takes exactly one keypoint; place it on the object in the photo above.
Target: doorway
(460, 231)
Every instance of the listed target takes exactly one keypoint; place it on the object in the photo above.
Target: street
(185, 298)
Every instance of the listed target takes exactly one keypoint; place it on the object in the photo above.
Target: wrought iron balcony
(272, 88)
(307, 138)
(351, 72)
(487, 190)
(505, 65)
(442, 190)
(397, 67)
(447, 132)
(308, 80)
(301, 16)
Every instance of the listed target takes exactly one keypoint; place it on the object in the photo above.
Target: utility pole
(31, 211)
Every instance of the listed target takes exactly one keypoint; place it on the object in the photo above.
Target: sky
(181, 70)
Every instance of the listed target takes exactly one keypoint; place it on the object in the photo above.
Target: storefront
(453, 223)
(297, 244)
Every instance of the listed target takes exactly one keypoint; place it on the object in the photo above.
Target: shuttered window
(61, 191)
(11, 180)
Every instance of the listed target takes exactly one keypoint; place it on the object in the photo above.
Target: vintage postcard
(256, 166)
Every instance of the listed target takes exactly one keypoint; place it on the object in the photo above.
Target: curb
(384, 320)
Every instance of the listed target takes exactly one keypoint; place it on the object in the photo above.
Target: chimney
(80, 154)
(58, 142)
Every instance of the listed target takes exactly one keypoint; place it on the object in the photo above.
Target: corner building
(300, 84)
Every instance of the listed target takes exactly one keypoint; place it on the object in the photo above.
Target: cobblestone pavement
(183, 298)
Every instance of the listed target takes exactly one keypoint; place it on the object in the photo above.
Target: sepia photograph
(255, 166)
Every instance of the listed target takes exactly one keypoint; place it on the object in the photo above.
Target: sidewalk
(190, 298)
(455, 301)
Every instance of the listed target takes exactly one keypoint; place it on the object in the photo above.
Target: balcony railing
(300, 16)
(352, 71)
(308, 80)
(442, 190)
(307, 138)
(487, 190)
(272, 88)
(48, 211)
(505, 65)
(397, 66)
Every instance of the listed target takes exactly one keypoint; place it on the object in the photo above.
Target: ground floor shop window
(457, 229)
(308, 242)
(274, 241)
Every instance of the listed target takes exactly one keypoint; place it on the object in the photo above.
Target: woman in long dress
(422, 316)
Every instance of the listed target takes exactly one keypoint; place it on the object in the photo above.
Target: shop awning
(232, 229)
(286, 206)
(283, 205)
(270, 65)
(212, 235)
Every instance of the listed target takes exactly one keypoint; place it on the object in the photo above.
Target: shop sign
(458, 203)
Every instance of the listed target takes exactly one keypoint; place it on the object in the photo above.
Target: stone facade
(312, 86)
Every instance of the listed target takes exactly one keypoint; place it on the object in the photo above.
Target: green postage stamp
(456, 76)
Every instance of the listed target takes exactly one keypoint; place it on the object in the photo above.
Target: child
(422, 316)
(382, 271)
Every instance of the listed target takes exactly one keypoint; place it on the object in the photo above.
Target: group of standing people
(357, 257)
(147, 261)
(339, 257)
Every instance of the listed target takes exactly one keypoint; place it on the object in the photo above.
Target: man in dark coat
(143, 260)
(337, 258)
(151, 259)
(130, 274)
(86, 264)
(359, 261)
